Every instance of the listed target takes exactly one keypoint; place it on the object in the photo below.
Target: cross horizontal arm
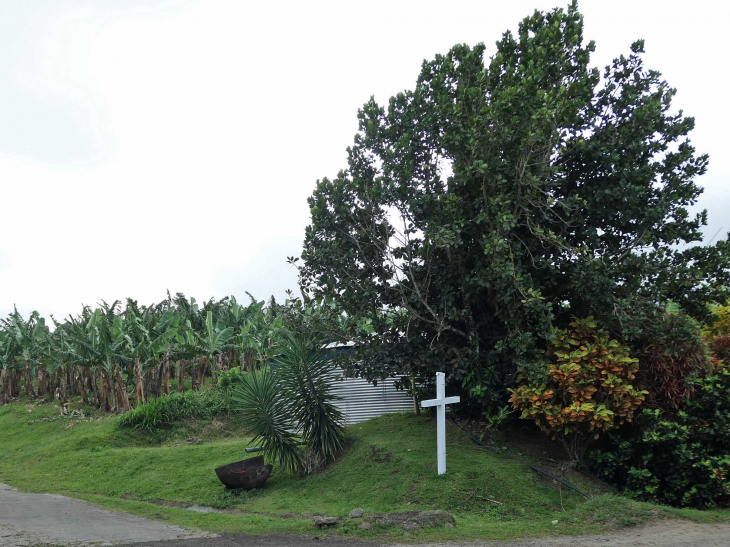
(437, 402)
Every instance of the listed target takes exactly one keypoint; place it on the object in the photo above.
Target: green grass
(389, 466)
(163, 412)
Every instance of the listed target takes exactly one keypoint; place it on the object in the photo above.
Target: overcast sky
(157, 145)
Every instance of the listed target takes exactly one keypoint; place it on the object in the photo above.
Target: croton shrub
(673, 354)
(588, 388)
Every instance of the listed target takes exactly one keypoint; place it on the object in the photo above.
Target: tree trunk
(10, 384)
(110, 386)
(105, 390)
(166, 372)
(122, 397)
(62, 392)
(3, 376)
(42, 381)
(27, 373)
(140, 382)
(215, 368)
(181, 375)
(51, 386)
(91, 385)
(159, 378)
(113, 392)
(69, 383)
(40, 374)
(148, 380)
(194, 375)
(79, 382)
(201, 376)
(156, 386)
(82, 385)
(16, 383)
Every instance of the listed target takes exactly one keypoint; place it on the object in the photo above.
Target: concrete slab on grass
(28, 519)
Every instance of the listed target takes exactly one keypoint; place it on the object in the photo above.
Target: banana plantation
(120, 354)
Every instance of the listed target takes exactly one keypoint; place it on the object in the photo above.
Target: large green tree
(499, 197)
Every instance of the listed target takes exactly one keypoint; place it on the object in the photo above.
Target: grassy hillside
(389, 466)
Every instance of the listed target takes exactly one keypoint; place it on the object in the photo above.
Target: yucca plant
(305, 376)
(293, 397)
(267, 416)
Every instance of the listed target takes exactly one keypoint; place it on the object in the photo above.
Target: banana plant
(99, 340)
(25, 338)
(148, 333)
(185, 348)
(255, 338)
(214, 343)
(5, 358)
(57, 355)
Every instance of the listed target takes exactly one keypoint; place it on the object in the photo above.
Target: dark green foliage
(685, 462)
(304, 370)
(229, 378)
(673, 353)
(267, 417)
(163, 412)
(717, 334)
(500, 197)
(293, 398)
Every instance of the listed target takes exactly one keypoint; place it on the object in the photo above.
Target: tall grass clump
(162, 412)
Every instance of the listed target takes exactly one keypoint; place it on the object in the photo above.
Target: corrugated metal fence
(361, 400)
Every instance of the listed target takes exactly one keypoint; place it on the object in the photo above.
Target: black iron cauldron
(248, 474)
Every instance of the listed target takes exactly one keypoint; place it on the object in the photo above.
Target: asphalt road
(675, 533)
(44, 519)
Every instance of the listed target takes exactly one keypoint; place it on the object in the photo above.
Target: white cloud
(147, 146)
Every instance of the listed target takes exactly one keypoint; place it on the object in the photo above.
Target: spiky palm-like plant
(304, 370)
(291, 397)
(266, 415)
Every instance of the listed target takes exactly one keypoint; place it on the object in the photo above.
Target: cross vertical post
(440, 403)
(441, 423)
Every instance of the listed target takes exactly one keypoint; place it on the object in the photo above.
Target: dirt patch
(533, 447)
(334, 463)
(670, 533)
(229, 511)
(379, 455)
(412, 520)
(161, 503)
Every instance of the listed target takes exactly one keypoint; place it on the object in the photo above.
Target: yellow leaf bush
(587, 391)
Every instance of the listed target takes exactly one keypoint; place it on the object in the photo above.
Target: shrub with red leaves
(720, 348)
(674, 354)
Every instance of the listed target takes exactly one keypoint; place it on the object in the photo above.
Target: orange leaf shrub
(587, 390)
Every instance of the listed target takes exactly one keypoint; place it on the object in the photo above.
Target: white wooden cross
(440, 403)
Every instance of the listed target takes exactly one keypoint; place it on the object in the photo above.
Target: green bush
(684, 462)
(228, 378)
(717, 334)
(164, 411)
